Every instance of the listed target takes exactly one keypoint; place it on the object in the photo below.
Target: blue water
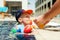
(5, 28)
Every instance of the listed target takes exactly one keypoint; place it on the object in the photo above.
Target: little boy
(23, 18)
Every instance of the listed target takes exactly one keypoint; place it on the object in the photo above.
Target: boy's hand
(39, 23)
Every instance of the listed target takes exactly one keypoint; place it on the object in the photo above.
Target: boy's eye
(27, 16)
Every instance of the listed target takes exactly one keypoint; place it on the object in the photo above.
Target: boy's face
(25, 19)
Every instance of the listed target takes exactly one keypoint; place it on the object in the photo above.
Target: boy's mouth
(29, 22)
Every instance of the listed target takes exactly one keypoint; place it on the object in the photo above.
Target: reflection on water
(25, 37)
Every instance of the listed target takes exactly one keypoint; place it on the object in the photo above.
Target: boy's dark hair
(18, 14)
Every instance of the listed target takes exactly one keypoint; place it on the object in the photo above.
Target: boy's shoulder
(19, 26)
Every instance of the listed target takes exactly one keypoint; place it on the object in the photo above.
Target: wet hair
(18, 14)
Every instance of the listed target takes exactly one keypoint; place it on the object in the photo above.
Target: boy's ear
(20, 19)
